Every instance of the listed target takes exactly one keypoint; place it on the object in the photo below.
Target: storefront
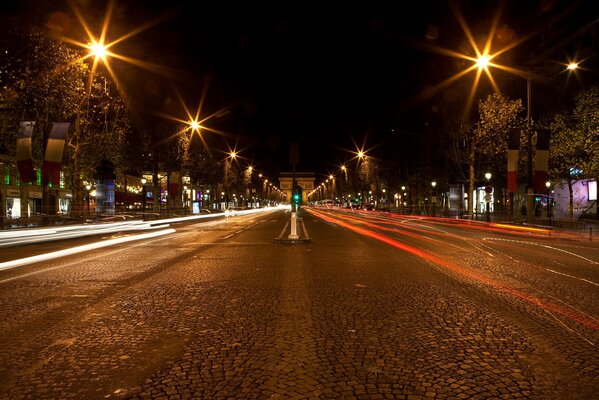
(13, 204)
(34, 203)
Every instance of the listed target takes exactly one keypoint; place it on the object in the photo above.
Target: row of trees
(46, 80)
(471, 149)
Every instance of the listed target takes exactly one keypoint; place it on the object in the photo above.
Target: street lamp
(143, 194)
(549, 200)
(483, 62)
(185, 200)
(433, 198)
(488, 190)
(88, 187)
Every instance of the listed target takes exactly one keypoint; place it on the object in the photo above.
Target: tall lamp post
(488, 191)
(549, 200)
(433, 198)
(143, 194)
(483, 62)
(87, 187)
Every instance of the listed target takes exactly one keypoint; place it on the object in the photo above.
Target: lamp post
(483, 62)
(433, 198)
(403, 199)
(488, 191)
(143, 194)
(548, 185)
(185, 197)
(87, 187)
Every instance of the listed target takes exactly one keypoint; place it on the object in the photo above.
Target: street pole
(529, 189)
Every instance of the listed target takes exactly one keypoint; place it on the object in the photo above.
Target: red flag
(54, 149)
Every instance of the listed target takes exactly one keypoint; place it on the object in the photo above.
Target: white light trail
(92, 246)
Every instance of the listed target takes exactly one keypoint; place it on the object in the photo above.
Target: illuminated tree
(574, 143)
(490, 135)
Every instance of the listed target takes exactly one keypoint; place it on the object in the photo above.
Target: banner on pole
(54, 150)
(541, 161)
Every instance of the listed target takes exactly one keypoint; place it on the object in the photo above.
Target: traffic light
(296, 196)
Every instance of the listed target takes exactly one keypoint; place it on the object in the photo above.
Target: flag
(24, 159)
(54, 149)
(541, 161)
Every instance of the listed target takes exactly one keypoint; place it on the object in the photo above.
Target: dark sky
(317, 73)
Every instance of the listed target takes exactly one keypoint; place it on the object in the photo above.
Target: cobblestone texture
(198, 317)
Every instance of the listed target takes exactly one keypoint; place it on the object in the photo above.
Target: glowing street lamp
(488, 191)
(88, 187)
(98, 50)
(482, 62)
(433, 198)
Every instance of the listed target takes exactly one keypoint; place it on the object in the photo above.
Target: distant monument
(305, 180)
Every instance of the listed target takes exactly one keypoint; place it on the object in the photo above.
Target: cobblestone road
(222, 311)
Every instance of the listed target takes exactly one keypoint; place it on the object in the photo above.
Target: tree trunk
(77, 202)
(571, 203)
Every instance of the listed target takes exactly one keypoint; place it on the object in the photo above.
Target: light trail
(87, 247)
(574, 315)
(26, 236)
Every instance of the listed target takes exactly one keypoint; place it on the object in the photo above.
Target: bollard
(293, 234)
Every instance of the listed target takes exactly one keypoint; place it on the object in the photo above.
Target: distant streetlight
(548, 185)
(88, 187)
(433, 198)
(488, 191)
(143, 194)
(572, 66)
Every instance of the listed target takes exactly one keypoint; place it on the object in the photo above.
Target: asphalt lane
(223, 311)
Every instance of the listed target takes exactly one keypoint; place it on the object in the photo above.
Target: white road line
(284, 229)
(572, 276)
(546, 246)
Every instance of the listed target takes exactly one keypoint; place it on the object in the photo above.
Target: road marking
(284, 229)
(572, 276)
(546, 246)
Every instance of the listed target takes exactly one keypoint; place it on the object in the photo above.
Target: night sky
(311, 72)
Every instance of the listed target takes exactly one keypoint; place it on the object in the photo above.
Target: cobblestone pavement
(219, 311)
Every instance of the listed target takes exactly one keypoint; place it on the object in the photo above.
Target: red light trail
(573, 315)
